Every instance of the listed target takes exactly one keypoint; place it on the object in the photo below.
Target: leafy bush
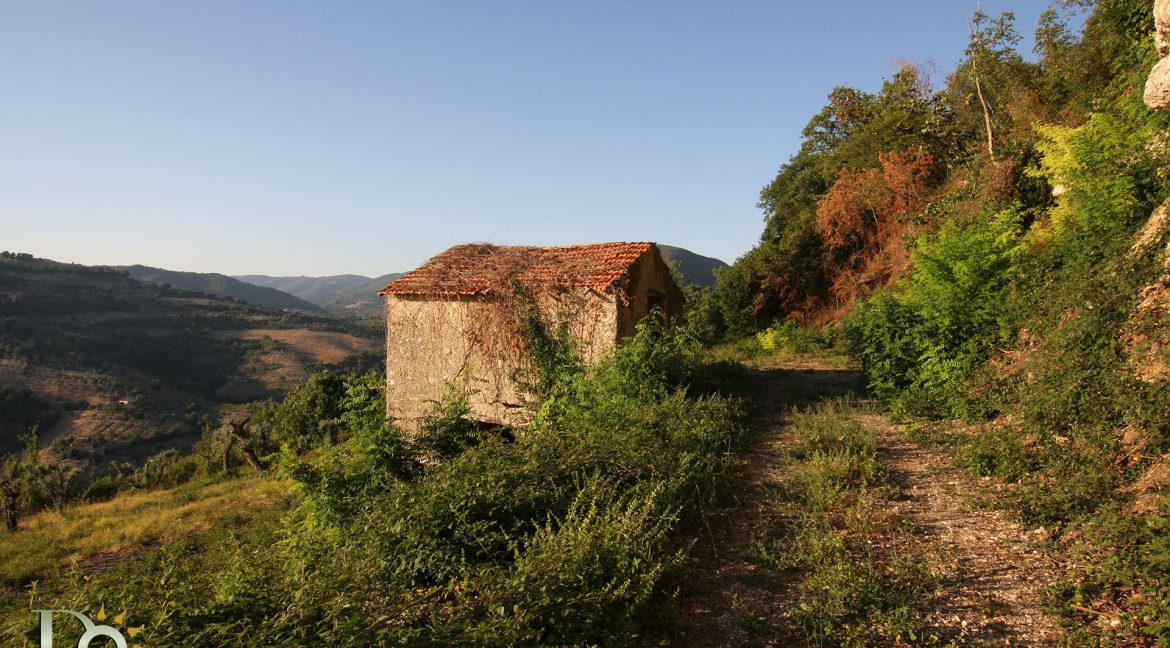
(997, 453)
(833, 426)
(447, 431)
(789, 337)
(558, 536)
(580, 578)
(920, 343)
(307, 416)
(337, 481)
(1121, 554)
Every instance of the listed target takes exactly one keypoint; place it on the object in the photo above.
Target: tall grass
(49, 542)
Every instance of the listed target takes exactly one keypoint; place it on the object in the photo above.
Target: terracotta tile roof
(480, 268)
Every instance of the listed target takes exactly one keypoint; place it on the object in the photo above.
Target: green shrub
(447, 430)
(306, 417)
(994, 452)
(558, 536)
(832, 425)
(788, 337)
(1121, 553)
(337, 480)
(580, 579)
(920, 343)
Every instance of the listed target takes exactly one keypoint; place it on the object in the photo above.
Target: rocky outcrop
(1162, 26)
(1147, 337)
(1157, 94)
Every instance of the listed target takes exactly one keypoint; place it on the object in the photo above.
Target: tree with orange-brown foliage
(865, 162)
(864, 215)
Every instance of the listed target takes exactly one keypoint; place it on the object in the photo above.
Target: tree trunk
(253, 460)
(10, 510)
(227, 451)
(982, 100)
(986, 114)
(238, 435)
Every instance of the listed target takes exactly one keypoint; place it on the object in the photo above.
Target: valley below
(108, 369)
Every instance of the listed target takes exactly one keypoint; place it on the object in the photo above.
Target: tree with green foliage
(796, 272)
(305, 418)
(992, 43)
(27, 483)
(13, 470)
(372, 458)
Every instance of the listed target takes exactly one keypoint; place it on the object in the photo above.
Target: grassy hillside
(76, 340)
(105, 533)
(211, 283)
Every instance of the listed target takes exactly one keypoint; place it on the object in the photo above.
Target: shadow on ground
(803, 386)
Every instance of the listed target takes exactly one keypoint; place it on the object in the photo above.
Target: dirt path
(727, 597)
(990, 576)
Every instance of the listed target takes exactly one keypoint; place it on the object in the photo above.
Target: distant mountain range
(348, 294)
(212, 283)
(318, 290)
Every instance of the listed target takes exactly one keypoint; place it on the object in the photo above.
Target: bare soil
(315, 347)
(297, 354)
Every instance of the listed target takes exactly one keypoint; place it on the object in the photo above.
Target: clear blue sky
(325, 137)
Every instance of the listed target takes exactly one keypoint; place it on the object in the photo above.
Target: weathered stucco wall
(590, 318)
(649, 282)
(474, 344)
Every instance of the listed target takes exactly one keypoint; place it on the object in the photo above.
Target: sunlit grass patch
(49, 541)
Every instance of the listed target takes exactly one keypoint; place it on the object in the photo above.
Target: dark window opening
(655, 299)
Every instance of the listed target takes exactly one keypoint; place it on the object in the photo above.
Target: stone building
(458, 319)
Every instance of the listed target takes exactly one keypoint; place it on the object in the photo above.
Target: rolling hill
(221, 286)
(349, 295)
(694, 268)
(317, 290)
(362, 300)
(111, 368)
